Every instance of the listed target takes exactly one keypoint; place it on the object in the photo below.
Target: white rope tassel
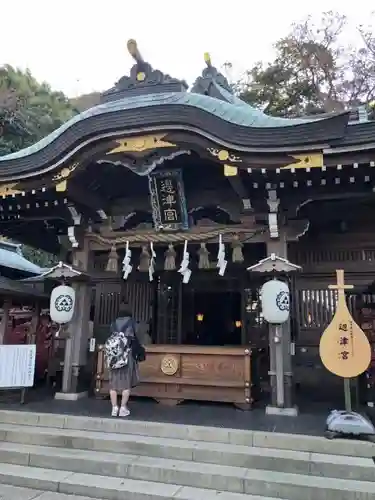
(221, 262)
(184, 269)
(126, 266)
(151, 268)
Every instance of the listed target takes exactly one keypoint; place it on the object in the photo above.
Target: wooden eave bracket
(273, 224)
(74, 241)
(238, 187)
(76, 216)
(90, 200)
(76, 231)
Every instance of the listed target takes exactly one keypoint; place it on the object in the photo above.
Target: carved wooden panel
(216, 368)
(200, 373)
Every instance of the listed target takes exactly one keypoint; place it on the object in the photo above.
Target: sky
(79, 46)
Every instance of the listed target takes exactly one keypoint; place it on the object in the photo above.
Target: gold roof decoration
(65, 172)
(9, 190)
(134, 51)
(140, 143)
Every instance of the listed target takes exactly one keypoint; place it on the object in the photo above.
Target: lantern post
(65, 307)
(275, 298)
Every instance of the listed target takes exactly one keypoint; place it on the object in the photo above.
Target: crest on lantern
(62, 304)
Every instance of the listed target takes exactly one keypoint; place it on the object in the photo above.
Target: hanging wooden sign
(168, 200)
(344, 348)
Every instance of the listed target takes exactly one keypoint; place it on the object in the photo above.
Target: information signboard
(17, 366)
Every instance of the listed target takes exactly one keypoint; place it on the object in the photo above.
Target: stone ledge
(283, 412)
(70, 396)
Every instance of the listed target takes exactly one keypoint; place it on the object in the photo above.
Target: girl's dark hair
(124, 310)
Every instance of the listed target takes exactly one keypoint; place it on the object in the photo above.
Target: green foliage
(313, 71)
(29, 110)
(39, 257)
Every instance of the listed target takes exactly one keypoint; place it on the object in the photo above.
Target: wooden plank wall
(109, 296)
(314, 304)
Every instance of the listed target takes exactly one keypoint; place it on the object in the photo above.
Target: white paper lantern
(62, 304)
(275, 301)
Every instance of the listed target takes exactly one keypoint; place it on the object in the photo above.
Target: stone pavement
(311, 421)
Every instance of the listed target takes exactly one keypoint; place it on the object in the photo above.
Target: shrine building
(168, 198)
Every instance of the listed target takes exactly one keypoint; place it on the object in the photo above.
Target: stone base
(71, 396)
(285, 412)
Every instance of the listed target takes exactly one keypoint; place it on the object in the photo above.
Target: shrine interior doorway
(217, 318)
(212, 310)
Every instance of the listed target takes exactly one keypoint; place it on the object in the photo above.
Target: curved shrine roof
(11, 256)
(259, 127)
(149, 100)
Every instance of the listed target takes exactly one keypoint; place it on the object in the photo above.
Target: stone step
(123, 459)
(209, 463)
(265, 484)
(104, 487)
(8, 492)
(294, 442)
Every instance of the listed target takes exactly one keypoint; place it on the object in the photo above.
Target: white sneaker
(124, 412)
(114, 411)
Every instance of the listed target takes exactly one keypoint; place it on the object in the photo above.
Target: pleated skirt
(125, 378)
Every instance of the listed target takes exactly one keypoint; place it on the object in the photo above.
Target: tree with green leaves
(314, 71)
(39, 257)
(29, 110)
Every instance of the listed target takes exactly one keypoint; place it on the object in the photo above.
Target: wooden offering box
(173, 373)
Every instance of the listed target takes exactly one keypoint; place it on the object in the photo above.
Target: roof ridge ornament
(212, 82)
(143, 79)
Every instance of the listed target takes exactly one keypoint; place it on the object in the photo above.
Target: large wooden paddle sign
(344, 348)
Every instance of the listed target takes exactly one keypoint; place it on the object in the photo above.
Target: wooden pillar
(73, 386)
(34, 323)
(279, 247)
(4, 320)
